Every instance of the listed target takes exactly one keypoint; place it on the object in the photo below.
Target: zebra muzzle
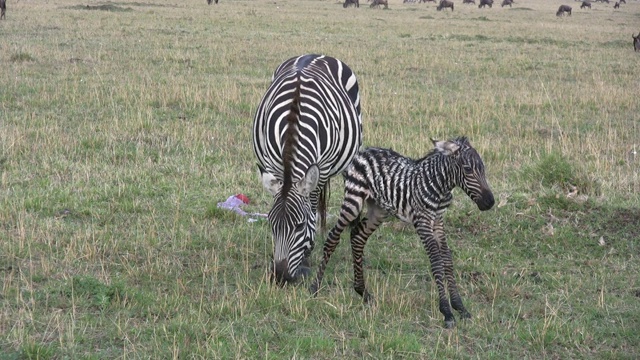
(282, 275)
(280, 272)
(486, 201)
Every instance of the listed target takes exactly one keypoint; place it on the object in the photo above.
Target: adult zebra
(307, 128)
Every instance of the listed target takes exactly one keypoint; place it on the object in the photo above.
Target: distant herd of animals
(566, 9)
(444, 4)
(562, 10)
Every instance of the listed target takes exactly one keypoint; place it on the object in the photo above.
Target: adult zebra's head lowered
(307, 129)
(468, 170)
(293, 225)
(292, 217)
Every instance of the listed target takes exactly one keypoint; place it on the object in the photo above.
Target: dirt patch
(622, 222)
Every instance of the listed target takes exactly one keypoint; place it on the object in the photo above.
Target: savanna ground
(123, 124)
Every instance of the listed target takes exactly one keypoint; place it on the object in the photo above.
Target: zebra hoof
(313, 289)
(465, 315)
(449, 324)
(368, 299)
(303, 272)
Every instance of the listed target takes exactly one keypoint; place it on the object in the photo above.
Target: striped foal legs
(359, 236)
(447, 260)
(350, 210)
(426, 233)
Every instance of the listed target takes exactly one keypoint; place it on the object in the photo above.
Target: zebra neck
(438, 175)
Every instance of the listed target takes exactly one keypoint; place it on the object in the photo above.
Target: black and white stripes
(417, 192)
(307, 129)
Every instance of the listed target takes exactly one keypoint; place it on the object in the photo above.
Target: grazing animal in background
(622, 1)
(616, 5)
(484, 3)
(507, 2)
(469, 2)
(355, 3)
(585, 4)
(636, 42)
(377, 3)
(445, 4)
(417, 192)
(563, 9)
(210, 1)
(3, 9)
(307, 128)
(426, 1)
(408, 1)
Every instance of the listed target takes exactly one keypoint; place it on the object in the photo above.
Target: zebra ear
(310, 180)
(270, 183)
(446, 147)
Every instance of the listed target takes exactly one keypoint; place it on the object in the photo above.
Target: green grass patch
(556, 171)
(21, 57)
(93, 291)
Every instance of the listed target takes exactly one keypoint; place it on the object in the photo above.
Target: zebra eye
(467, 169)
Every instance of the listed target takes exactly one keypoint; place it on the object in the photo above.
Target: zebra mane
(462, 141)
(290, 142)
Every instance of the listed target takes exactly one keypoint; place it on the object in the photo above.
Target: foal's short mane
(461, 140)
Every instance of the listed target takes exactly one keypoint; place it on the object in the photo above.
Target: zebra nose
(486, 201)
(281, 272)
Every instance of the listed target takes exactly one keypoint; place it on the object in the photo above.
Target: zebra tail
(322, 207)
(291, 142)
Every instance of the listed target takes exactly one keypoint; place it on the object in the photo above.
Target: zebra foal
(307, 128)
(417, 192)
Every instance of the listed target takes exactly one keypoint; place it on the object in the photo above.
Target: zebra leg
(314, 198)
(426, 233)
(447, 260)
(350, 210)
(318, 199)
(359, 236)
(456, 300)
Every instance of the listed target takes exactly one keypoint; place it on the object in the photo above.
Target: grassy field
(123, 124)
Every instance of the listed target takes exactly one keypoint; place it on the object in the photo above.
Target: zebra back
(290, 144)
(333, 68)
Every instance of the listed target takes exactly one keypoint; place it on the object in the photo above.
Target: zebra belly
(391, 207)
